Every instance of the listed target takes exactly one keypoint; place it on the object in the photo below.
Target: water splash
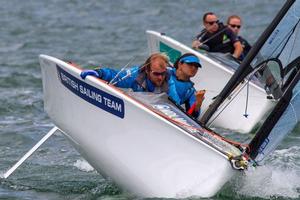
(278, 178)
(83, 166)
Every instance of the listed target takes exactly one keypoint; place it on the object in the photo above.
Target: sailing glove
(89, 72)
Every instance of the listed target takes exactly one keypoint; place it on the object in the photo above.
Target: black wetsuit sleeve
(233, 38)
(245, 43)
(202, 35)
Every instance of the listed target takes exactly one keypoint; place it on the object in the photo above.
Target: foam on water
(83, 166)
(278, 178)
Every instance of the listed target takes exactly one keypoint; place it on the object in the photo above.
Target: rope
(238, 89)
(292, 106)
(111, 81)
(247, 99)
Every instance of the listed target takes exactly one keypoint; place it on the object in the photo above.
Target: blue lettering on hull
(99, 98)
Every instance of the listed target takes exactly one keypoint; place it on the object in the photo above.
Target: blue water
(108, 33)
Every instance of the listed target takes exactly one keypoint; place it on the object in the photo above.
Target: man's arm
(238, 49)
(196, 44)
(123, 80)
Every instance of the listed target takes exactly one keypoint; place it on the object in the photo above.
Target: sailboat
(245, 112)
(149, 146)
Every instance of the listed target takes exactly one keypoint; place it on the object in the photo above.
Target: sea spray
(279, 177)
(83, 166)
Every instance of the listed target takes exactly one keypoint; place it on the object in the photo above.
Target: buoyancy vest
(221, 41)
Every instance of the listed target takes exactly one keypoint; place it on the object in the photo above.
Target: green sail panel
(171, 52)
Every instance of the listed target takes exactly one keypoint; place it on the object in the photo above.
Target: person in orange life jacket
(234, 22)
(181, 88)
(217, 37)
(152, 76)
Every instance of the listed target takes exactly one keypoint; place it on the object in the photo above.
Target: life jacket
(221, 41)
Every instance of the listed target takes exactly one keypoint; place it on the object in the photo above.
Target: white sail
(285, 125)
(277, 65)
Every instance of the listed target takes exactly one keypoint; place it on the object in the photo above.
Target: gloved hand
(89, 72)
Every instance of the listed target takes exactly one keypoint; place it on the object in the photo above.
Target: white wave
(279, 177)
(83, 166)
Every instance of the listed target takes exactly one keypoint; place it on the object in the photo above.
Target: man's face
(211, 23)
(235, 25)
(158, 71)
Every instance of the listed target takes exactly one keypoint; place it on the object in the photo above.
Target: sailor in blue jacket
(152, 76)
(181, 88)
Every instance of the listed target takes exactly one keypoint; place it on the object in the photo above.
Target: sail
(281, 48)
(283, 39)
(285, 125)
(274, 60)
(277, 65)
(258, 53)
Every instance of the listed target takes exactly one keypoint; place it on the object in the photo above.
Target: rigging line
(288, 35)
(111, 82)
(129, 74)
(213, 36)
(247, 99)
(238, 90)
(227, 104)
(292, 31)
(292, 106)
(294, 42)
(294, 112)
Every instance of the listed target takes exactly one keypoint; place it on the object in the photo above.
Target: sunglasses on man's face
(235, 26)
(212, 22)
(158, 73)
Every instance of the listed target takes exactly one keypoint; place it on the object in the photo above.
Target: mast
(245, 67)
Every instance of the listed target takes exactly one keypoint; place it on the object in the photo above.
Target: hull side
(141, 152)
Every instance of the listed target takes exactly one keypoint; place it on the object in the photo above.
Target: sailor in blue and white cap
(181, 88)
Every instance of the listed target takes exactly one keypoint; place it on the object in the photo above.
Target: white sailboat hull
(140, 151)
(213, 76)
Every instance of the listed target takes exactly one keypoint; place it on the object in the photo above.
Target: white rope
(111, 81)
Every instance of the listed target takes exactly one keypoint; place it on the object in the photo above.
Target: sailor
(181, 88)
(152, 76)
(234, 22)
(217, 38)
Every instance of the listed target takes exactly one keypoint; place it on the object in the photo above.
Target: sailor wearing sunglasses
(152, 76)
(217, 37)
(234, 22)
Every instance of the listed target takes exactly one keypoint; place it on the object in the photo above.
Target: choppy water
(109, 33)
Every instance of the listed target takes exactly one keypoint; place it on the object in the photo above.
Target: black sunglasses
(159, 73)
(235, 26)
(213, 22)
